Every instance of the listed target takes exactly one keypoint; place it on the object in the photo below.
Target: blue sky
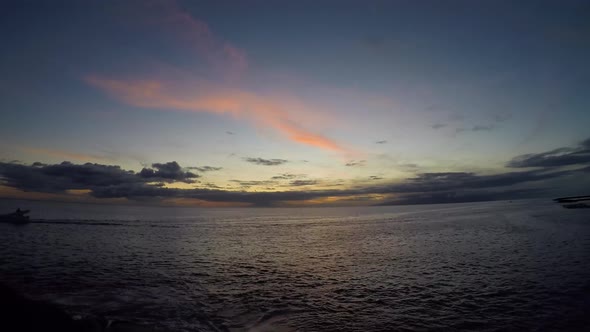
(353, 96)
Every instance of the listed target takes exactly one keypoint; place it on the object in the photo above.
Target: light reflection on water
(480, 266)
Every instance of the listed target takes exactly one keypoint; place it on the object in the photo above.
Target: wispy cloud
(299, 183)
(439, 125)
(266, 162)
(177, 90)
(205, 168)
(502, 117)
(204, 96)
(286, 176)
(354, 163)
(475, 128)
(222, 55)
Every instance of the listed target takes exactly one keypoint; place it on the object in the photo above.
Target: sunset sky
(282, 103)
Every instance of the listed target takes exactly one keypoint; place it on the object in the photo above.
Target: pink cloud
(203, 96)
(172, 88)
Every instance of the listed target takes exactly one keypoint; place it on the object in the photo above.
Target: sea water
(494, 266)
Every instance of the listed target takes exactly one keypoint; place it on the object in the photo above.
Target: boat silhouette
(17, 217)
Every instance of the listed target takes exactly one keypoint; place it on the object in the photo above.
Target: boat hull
(13, 219)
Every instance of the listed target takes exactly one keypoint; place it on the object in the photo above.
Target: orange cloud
(202, 96)
(224, 61)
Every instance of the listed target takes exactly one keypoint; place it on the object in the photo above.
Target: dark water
(485, 266)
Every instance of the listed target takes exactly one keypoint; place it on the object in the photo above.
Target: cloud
(464, 196)
(439, 125)
(64, 176)
(381, 142)
(168, 172)
(113, 182)
(354, 163)
(298, 183)
(196, 34)
(567, 156)
(286, 176)
(502, 117)
(445, 181)
(475, 128)
(266, 162)
(181, 90)
(205, 168)
(68, 176)
(253, 183)
(203, 96)
(230, 132)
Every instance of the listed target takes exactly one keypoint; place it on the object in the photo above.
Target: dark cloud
(502, 117)
(381, 142)
(64, 176)
(464, 197)
(253, 183)
(445, 181)
(568, 156)
(354, 163)
(266, 162)
(108, 181)
(168, 172)
(230, 132)
(205, 168)
(475, 128)
(298, 183)
(439, 125)
(375, 177)
(286, 176)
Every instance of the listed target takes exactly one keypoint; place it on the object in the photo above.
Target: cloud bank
(567, 156)
(111, 181)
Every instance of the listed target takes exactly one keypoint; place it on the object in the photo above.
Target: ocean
(492, 266)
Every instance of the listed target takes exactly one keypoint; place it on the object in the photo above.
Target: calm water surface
(481, 266)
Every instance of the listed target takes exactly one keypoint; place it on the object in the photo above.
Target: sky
(294, 103)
